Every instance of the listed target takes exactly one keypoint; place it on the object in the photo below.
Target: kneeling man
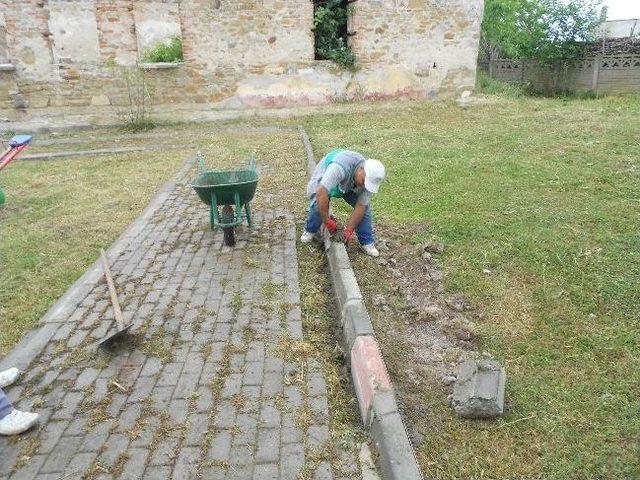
(348, 175)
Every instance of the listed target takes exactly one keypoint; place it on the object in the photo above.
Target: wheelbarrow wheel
(229, 233)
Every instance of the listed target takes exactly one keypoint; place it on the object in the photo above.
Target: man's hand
(347, 235)
(331, 225)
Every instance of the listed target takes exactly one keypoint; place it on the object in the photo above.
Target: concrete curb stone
(369, 373)
(355, 322)
(345, 285)
(479, 389)
(376, 398)
(311, 163)
(237, 130)
(397, 458)
(338, 257)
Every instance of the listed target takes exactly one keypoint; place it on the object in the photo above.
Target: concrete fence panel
(600, 74)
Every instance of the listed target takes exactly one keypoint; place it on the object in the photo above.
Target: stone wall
(237, 53)
(435, 41)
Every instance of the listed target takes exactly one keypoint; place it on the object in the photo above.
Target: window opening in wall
(74, 32)
(330, 20)
(169, 51)
(158, 31)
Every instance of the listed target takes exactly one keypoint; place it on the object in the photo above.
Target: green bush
(330, 30)
(133, 125)
(135, 114)
(169, 52)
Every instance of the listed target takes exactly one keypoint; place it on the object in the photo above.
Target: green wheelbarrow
(232, 190)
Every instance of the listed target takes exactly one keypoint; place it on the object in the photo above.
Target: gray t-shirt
(334, 174)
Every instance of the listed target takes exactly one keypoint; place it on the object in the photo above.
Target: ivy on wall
(330, 29)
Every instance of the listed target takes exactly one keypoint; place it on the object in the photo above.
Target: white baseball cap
(374, 174)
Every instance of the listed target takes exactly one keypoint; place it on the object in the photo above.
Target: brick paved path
(212, 382)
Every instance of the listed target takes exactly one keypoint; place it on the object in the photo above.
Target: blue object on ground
(5, 405)
(20, 140)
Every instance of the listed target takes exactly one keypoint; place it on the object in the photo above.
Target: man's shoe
(370, 250)
(307, 237)
(17, 422)
(7, 377)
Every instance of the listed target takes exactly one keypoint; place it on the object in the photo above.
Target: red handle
(9, 155)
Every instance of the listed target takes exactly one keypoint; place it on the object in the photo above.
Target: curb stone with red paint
(376, 397)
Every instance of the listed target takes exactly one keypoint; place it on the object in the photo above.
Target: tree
(499, 28)
(550, 31)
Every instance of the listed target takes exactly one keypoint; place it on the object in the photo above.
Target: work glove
(347, 235)
(331, 225)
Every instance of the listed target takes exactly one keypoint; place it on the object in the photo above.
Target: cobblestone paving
(212, 382)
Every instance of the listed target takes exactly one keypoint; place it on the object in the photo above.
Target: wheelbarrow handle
(10, 154)
(252, 161)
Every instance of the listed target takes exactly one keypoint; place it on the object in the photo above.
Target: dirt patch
(424, 331)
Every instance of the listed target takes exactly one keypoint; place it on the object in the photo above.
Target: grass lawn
(57, 216)
(544, 193)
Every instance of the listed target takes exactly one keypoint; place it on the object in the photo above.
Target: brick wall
(237, 53)
(29, 39)
(117, 31)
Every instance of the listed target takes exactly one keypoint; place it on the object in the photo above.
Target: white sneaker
(370, 249)
(7, 377)
(17, 422)
(307, 237)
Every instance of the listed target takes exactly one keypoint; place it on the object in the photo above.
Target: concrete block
(338, 256)
(397, 459)
(384, 403)
(479, 389)
(346, 286)
(368, 372)
(355, 322)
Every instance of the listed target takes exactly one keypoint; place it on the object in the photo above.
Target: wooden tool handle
(117, 313)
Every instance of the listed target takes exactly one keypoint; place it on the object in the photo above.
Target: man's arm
(331, 178)
(356, 216)
(359, 210)
(322, 199)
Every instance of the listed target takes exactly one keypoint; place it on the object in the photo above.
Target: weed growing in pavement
(322, 337)
(159, 345)
(236, 303)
